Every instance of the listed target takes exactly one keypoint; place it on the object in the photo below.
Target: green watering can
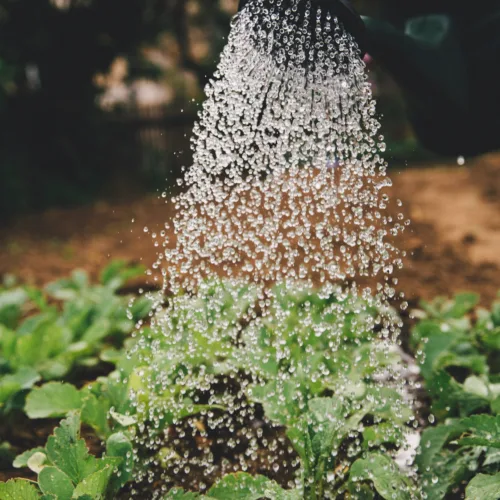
(445, 55)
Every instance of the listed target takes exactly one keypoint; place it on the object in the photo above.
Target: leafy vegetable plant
(459, 363)
(45, 335)
(66, 470)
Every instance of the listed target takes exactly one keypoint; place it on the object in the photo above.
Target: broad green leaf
(377, 435)
(53, 400)
(97, 331)
(463, 304)
(140, 308)
(483, 487)
(95, 413)
(47, 341)
(451, 399)
(245, 487)
(68, 452)
(433, 440)
(53, 481)
(433, 349)
(491, 338)
(381, 470)
(22, 459)
(119, 445)
(118, 272)
(301, 441)
(482, 430)
(11, 302)
(23, 378)
(95, 485)
(449, 470)
(360, 491)
(19, 489)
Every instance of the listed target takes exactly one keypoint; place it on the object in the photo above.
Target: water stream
(286, 200)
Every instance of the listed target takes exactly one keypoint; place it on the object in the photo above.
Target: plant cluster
(459, 345)
(51, 334)
(346, 428)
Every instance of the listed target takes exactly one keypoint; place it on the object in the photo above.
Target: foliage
(344, 409)
(66, 470)
(459, 346)
(361, 418)
(50, 334)
(345, 426)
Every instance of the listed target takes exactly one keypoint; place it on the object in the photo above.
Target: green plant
(66, 470)
(459, 352)
(46, 335)
(312, 362)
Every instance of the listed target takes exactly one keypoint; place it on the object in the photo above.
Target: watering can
(445, 56)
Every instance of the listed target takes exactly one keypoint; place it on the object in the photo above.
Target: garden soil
(453, 242)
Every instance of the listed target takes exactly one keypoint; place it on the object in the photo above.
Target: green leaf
(377, 435)
(11, 302)
(53, 400)
(119, 445)
(23, 378)
(95, 413)
(97, 331)
(449, 470)
(53, 481)
(483, 487)
(434, 348)
(19, 489)
(433, 440)
(94, 485)
(118, 273)
(246, 487)
(450, 398)
(463, 304)
(384, 474)
(68, 452)
(483, 430)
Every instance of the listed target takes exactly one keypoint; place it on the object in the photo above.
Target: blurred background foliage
(97, 97)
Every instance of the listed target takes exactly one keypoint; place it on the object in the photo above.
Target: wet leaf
(19, 489)
(483, 487)
(53, 481)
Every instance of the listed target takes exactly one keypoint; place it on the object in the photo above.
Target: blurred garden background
(98, 97)
(97, 102)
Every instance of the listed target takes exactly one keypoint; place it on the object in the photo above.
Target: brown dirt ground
(453, 242)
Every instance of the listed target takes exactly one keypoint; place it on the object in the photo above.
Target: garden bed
(452, 247)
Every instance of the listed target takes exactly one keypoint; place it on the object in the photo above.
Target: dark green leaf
(482, 430)
(53, 481)
(389, 482)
